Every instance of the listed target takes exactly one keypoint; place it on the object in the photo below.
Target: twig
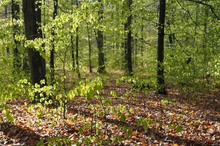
(208, 5)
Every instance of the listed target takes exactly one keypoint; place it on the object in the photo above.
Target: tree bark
(32, 22)
(90, 49)
(77, 47)
(55, 6)
(100, 40)
(142, 41)
(15, 8)
(128, 42)
(89, 44)
(160, 49)
(72, 45)
(6, 17)
(77, 52)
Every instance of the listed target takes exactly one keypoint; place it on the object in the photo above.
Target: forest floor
(177, 119)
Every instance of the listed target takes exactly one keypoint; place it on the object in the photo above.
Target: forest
(110, 72)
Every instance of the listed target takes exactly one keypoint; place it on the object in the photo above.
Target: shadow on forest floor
(20, 135)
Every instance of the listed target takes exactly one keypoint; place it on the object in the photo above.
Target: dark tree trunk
(101, 57)
(72, 45)
(72, 52)
(77, 52)
(128, 42)
(77, 48)
(15, 8)
(55, 6)
(32, 21)
(142, 40)
(160, 49)
(6, 11)
(100, 40)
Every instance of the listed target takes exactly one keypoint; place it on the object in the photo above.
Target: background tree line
(166, 42)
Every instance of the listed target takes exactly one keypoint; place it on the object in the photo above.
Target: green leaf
(41, 143)
(171, 126)
(178, 128)
(131, 110)
(108, 102)
(121, 116)
(81, 130)
(71, 94)
(74, 118)
(113, 93)
(8, 115)
(128, 132)
(164, 101)
(145, 125)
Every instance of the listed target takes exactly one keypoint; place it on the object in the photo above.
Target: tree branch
(190, 16)
(208, 5)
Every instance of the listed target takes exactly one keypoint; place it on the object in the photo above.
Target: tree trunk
(15, 8)
(142, 41)
(72, 52)
(160, 49)
(77, 48)
(204, 46)
(6, 11)
(89, 44)
(90, 48)
(55, 6)
(77, 52)
(32, 21)
(72, 45)
(100, 39)
(6, 17)
(128, 42)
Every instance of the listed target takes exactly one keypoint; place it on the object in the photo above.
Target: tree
(211, 7)
(72, 43)
(100, 39)
(128, 41)
(6, 16)
(160, 49)
(32, 22)
(15, 8)
(55, 6)
(89, 44)
(77, 47)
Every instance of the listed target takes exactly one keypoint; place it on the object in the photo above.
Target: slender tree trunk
(6, 11)
(77, 52)
(6, 17)
(32, 21)
(100, 40)
(72, 52)
(77, 47)
(72, 45)
(205, 31)
(89, 44)
(160, 49)
(55, 6)
(142, 40)
(90, 48)
(128, 42)
(15, 8)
